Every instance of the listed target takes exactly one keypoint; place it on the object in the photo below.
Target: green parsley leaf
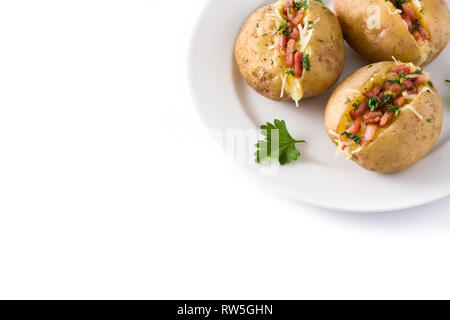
(388, 99)
(393, 109)
(429, 120)
(374, 103)
(286, 153)
(306, 62)
(290, 72)
(353, 137)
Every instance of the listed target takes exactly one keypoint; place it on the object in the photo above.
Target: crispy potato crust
(406, 141)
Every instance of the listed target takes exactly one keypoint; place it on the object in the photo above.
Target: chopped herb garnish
(306, 62)
(430, 84)
(353, 137)
(429, 120)
(300, 4)
(374, 103)
(347, 100)
(287, 32)
(393, 109)
(388, 99)
(290, 72)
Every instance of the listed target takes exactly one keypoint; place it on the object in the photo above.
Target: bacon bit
(400, 101)
(371, 131)
(298, 18)
(421, 80)
(418, 37)
(408, 84)
(355, 128)
(385, 119)
(288, 6)
(408, 22)
(362, 108)
(376, 89)
(393, 87)
(401, 68)
(283, 43)
(368, 94)
(372, 117)
(295, 35)
(424, 33)
(298, 64)
(290, 53)
(409, 11)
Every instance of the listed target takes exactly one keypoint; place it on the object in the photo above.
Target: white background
(110, 187)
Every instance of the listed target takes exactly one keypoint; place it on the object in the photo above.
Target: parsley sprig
(286, 153)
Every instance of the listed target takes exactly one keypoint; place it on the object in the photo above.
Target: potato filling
(294, 34)
(293, 14)
(378, 104)
(413, 17)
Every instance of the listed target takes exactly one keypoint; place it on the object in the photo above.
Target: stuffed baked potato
(386, 116)
(291, 49)
(410, 30)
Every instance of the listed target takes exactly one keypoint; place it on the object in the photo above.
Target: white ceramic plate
(225, 102)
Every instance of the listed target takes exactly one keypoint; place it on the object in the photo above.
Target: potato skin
(392, 38)
(327, 52)
(437, 19)
(406, 141)
(254, 58)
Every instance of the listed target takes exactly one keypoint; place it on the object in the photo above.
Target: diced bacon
(355, 128)
(368, 94)
(283, 43)
(424, 33)
(372, 117)
(298, 64)
(401, 68)
(362, 108)
(297, 19)
(295, 35)
(421, 80)
(400, 101)
(408, 22)
(408, 84)
(409, 11)
(385, 119)
(290, 53)
(376, 89)
(371, 131)
(416, 34)
(393, 87)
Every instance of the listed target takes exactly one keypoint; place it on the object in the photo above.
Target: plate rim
(192, 97)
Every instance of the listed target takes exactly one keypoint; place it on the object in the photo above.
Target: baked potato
(386, 116)
(410, 30)
(291, 49)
